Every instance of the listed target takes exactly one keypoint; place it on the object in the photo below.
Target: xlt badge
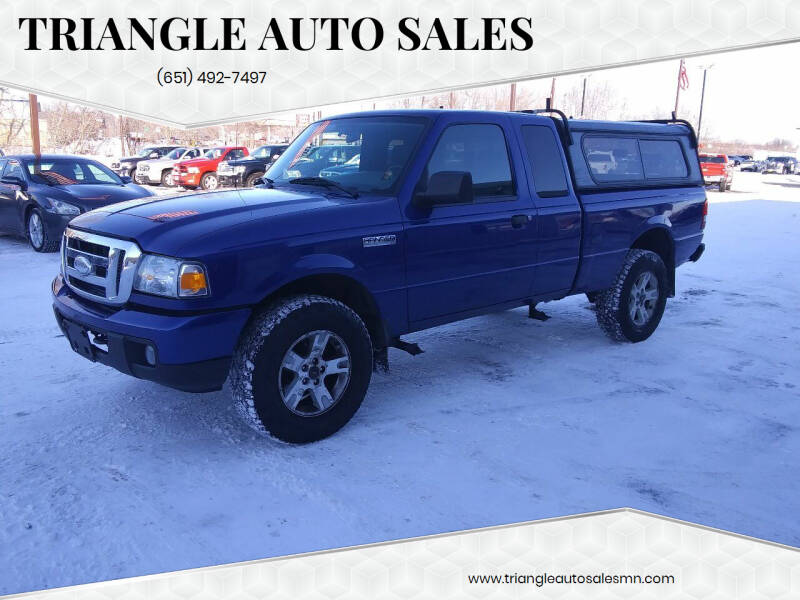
(372, 241)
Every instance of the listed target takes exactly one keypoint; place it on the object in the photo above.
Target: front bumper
(229, 180)
(190, 179)
(192, 352)
(144, 177)
(124, 171)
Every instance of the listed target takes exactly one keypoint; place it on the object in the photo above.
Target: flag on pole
(683, 77)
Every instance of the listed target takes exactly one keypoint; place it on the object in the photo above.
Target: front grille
(87, 247)
(144, 168)
(89, 288)
(98, 267)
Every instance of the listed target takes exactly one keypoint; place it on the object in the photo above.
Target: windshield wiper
(324, 182)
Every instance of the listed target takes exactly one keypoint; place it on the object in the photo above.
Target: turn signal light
(193, 281)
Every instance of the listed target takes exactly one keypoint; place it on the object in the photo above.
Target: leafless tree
(13, 119)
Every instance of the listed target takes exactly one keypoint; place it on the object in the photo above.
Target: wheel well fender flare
(336, 277)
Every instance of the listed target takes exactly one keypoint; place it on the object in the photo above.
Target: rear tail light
(705, 214)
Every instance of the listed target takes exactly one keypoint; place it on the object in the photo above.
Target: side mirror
(126, 178)
(14, 180)
(258, 181)
(446, 187)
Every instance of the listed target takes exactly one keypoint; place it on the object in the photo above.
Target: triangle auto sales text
(300, 34)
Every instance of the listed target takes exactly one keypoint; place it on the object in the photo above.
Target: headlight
(63, 208)
(239, 169)
(172, 277)
(194, 170)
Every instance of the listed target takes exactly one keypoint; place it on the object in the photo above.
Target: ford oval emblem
(82, 265)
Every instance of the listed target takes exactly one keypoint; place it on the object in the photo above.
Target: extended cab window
(613, 158)
(663, 159)
(476, 149)
(544, 156)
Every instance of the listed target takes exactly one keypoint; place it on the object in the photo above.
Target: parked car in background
(296, 290)
(317, 158)
(126, 166)
(159, 170)
(202, 171)
(40, 194)
(748, 164)
(350, 166)
(243, 172)
(716, 170)
(782, 165)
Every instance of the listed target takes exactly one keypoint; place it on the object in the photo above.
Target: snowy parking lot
(503, 419)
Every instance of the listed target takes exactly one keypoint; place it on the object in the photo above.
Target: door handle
(518, 221)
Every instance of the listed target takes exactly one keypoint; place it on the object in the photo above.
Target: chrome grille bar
(106, 263)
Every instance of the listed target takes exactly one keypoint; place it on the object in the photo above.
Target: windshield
(383, 145)
(712, 159)
(177, 153)
(145, 152)
(214, 153)
(781, 159)
(262, 151)
(70, 171)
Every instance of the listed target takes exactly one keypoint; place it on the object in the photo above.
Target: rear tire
(277, 384)
(631, 309)
(722, 186)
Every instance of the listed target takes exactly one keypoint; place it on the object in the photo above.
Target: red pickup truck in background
(716, 170)
(202, 171)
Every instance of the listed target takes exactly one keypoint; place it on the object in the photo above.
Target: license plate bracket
(78, 338)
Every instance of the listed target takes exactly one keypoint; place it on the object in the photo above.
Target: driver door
(469, 257)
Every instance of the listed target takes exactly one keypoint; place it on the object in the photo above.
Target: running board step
(412, 349)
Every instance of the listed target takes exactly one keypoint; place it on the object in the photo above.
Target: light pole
(706, 69)
(583, 95)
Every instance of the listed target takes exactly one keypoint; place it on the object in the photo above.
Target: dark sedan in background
(40, 194)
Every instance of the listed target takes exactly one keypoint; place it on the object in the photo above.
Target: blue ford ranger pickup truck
(294, 290)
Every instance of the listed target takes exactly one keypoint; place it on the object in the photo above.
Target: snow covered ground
(503, 419)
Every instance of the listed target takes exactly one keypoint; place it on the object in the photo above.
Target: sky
(752, 95)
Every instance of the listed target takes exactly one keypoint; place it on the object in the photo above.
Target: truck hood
(175, 225)
(199, 162)
(159, 163)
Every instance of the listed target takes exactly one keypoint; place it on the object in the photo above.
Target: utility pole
(121, 138)
(583, 98)
(33, 102)
(702, 100)
(512, 100)
(553, 93)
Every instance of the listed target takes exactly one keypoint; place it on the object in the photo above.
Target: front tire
(210, 181)
(166, 178)
(251, 180)
(36, 232)
(302, 368)
(631, 309)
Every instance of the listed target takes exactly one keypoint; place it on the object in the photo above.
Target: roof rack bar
(562, 124)
(676, 121)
